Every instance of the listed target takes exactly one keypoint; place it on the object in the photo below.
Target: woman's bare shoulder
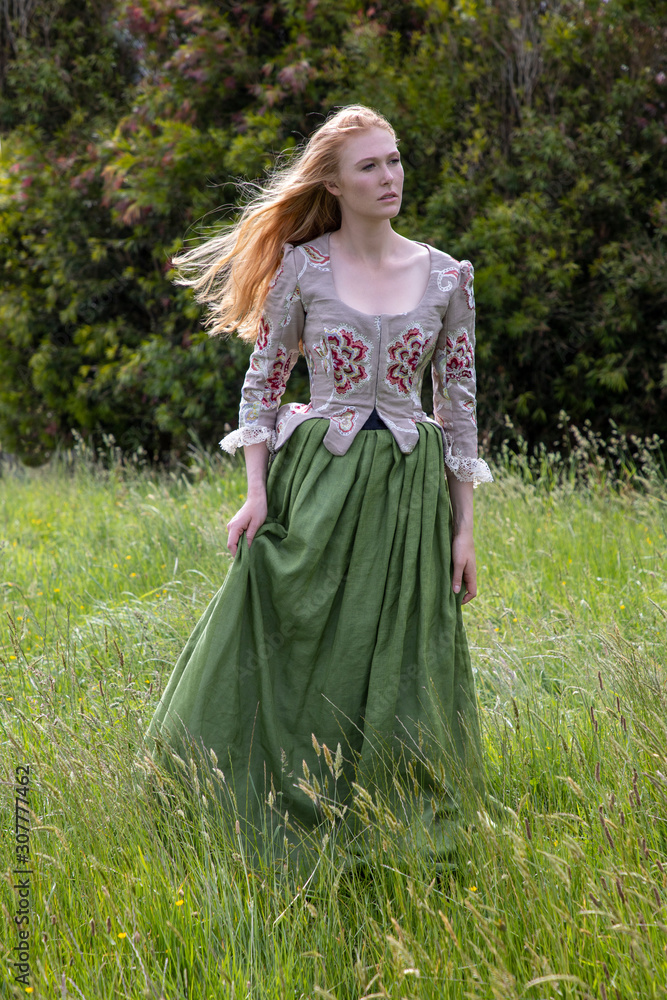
(421, 248)
(411, 250)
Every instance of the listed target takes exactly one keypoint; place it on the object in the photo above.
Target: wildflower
(122, 934)
(622, 606)
(179, 902)
(128, 557)
(133, 574)
(473, 888)
(56, 590)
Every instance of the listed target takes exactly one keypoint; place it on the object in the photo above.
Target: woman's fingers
(235, 529)
(470, 577)
(251, 530)
(464, 568)
(464, 574)
(249, 519)
(233, 535)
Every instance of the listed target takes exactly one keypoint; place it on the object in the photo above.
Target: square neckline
(381, 315)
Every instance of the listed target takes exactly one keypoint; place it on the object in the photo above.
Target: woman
(335, 650)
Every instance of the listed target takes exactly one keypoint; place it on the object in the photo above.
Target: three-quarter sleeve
(275, 354)
(455, 385)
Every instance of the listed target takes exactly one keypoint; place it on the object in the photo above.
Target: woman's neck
(367, 243)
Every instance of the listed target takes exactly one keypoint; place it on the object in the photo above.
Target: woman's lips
(389, 197)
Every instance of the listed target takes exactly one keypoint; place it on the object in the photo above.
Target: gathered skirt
(334, 656)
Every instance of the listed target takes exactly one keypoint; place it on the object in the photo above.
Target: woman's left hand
(464, 565)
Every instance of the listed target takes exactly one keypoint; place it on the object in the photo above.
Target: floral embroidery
(274, 280)
(348, 350)
(292, 410)
(363, 359)
(471, 407)
(460, 358)
(249, 411)
(467, 274)
(263, 334)
(321, 350)
(345, 419)
(442, 403)
(290, 299)
(448, 279)
(277, 378)
(405, 355)
(315, 257)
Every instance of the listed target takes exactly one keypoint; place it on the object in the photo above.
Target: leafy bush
(534, 137)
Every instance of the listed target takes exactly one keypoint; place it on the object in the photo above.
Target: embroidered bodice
(358, 362)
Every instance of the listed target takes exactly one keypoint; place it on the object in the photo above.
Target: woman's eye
(367, 166)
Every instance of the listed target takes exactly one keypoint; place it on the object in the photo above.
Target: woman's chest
(387, 291)
(351, 351)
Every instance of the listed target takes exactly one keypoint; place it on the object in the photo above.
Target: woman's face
(370, 175)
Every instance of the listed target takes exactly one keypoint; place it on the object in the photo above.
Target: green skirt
(330, 675)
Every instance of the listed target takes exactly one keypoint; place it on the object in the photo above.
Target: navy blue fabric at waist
(374, 422)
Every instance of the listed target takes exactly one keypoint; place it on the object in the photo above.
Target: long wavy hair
(230, 273)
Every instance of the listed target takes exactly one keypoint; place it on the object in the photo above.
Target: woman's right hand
(250, 518)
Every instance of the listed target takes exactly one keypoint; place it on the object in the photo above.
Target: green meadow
(559, 893)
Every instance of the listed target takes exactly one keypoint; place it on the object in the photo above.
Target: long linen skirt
(331, 670)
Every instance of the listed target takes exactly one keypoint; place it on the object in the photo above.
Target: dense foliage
(534, 137)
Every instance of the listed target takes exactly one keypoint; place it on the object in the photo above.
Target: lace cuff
(248, 435)
(468, 470)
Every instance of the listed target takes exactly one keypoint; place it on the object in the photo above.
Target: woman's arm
(252, 514)
(463, 545)
(455, 381)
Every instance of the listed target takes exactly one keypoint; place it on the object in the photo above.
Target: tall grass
(105, 569)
